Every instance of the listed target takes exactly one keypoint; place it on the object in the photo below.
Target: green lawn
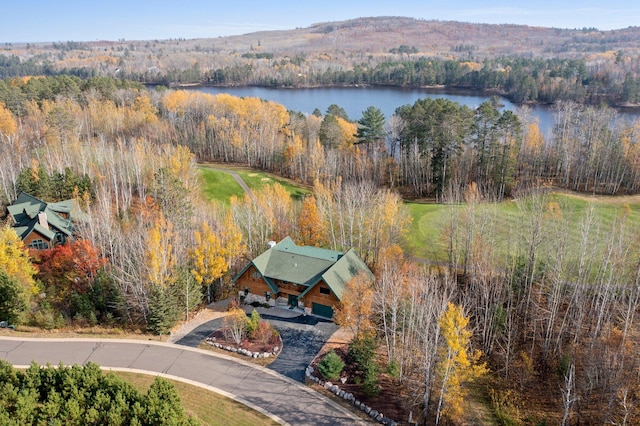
(208, 407)
(256, 180)
(219, 185)
(506, 221)
(424, 236)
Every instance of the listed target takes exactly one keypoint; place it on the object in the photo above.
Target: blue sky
(64, 20)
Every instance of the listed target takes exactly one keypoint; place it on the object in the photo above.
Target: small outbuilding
(310, 278)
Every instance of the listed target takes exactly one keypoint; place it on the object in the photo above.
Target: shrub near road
(83, 395)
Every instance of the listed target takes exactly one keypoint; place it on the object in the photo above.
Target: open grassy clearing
(208, 407)
(219, 185)
(257, 180)
(507, 221)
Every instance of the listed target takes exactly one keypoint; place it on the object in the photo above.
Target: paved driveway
(288, 401)
(302, 339)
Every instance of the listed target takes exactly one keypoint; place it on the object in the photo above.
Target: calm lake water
(355, 100)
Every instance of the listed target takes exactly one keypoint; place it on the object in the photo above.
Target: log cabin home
(301, 277)
(42, 225)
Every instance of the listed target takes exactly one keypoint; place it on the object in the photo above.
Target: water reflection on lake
(355, 100)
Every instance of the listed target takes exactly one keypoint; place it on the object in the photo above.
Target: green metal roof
(305, 265)
(343, 271)
(24, 212)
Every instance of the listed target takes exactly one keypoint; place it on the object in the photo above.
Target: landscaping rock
(367, 409)
(373, 413)
(343, 380)
(328, 385)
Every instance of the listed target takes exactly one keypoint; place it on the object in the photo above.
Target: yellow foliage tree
(456, 365)
(347, 132)
(160, 255)
(14, 259)
(234, 246)
(208, 257)
(356, 309)
(8, 124)
(310, 225)
(533, 139)
(276, 200)
(182, 166)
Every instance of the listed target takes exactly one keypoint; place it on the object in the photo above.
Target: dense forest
(550, 300)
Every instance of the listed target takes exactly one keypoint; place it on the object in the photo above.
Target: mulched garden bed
(392, 398)
(221, 338)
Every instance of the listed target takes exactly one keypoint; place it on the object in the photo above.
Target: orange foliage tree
(68, 269)
(310, 225)
(356, 309)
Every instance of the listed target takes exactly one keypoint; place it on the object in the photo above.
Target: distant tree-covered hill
(527, 64)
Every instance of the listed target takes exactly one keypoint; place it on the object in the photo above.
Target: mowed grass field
(208, 407)
(507, 220)
(219, 185)
(426, 238)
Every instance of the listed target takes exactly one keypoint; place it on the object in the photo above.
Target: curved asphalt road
(302, 339)
(289, 401)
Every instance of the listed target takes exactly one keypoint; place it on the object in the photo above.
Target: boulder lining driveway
(285, 400)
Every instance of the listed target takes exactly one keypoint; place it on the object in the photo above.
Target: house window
(255, 275)
(324, 290)
(38, 245)
(59, 238)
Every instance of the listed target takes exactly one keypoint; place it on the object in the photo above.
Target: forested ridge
(526, 64)
(546, 300)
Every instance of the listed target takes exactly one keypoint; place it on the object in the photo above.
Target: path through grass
(220, 185)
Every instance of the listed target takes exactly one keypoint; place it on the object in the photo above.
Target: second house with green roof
(42, 225)
(303, 277)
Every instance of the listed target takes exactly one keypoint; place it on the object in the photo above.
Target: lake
(354, 100)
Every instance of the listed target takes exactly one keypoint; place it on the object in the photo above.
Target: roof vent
(271, 244)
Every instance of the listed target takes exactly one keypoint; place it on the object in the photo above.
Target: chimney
(42, 219)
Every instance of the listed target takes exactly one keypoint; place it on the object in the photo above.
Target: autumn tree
(14, 259)
(68, 273)
(160, 255)
(457, 366)
(311, 228)
(234, 245)
(356, 308)
(235, 323)
(209, 259)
